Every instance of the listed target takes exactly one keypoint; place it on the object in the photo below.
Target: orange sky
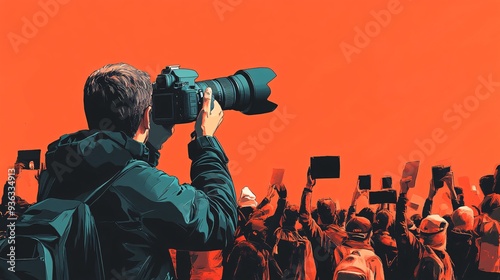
(377, 83)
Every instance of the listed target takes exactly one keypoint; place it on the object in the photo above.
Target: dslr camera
(177, 98)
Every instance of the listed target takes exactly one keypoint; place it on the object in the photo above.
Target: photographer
(145, 212)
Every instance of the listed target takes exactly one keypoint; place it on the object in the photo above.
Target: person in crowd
(461, 244)
(325, 242)
(425, 257)
(384, 243)
(251, 258)
(496, 180)
(486, 184)
(292, 252)
(487, 227)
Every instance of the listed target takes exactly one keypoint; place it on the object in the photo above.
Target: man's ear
(146, 118)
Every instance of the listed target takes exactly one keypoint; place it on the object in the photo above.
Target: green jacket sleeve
(198, 216)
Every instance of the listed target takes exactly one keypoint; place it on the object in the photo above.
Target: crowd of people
(320, 241)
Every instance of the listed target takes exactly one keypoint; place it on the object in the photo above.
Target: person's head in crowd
(412, 227)
(359, 229)
(290, 216)
(463, 218)
(342, 214)
(247, 202)
(496, 184)
(416, 219)
(368, 213)
(486, 184)
(490, 203)
(255, 230)
(433, 230)
(327, 211)
(449, 220)
(383, 220)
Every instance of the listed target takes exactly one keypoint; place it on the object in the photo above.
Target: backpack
(353, 264)
(430, 266)
(298, 254)
(55, 239)
(489, 248)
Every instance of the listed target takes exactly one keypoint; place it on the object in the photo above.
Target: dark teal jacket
(146, 211)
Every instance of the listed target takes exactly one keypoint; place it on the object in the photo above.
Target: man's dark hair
(290, 215)
(115, 98)
(368, 213)
(384, 220)
(490, 203)
(327, 211)
(417, 219)
(496, 183)
(486, 184)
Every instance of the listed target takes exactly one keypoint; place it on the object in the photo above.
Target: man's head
(490, 203)
(463, 218)
(290, 216)
(496, 184)
(384, 219)
(327, 211)
(368, 213)
(117, 97)
(416, 219)
(433, 232)
(359, 228)
(486, 184)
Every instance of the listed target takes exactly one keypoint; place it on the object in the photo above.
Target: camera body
(177, 98)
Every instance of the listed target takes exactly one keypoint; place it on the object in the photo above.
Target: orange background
(370, 107)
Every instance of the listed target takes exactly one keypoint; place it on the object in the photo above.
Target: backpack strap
(98, 192)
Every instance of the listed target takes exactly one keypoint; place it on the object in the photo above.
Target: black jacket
(146, 211)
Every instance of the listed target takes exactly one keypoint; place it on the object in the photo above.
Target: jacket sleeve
(426, 210)
(273, 222)
(409, 247)
(311, 229)
(198, 216)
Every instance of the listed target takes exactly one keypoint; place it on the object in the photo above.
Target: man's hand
(310, 181)
(159, 134)
(448, 180)
(432, 190)
(42, 168)
(355, 195)
(270, 192)
(18, 167)
(404, 185)
(281, 189)
(208, 119)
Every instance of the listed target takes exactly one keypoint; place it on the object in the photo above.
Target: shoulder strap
(98, 192)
